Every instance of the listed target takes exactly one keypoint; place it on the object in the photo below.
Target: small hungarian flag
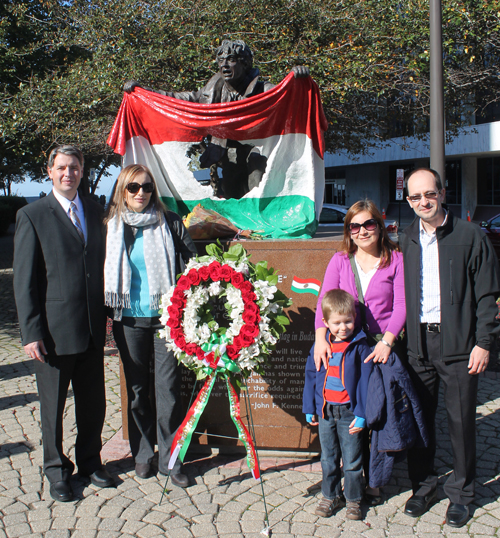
(306, 285)
(284, 128)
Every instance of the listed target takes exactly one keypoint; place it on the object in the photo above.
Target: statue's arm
(130, 85)
(300, 71)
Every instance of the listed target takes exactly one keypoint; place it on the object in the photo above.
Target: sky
(33, 188)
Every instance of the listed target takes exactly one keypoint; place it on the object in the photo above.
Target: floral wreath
(254, 307)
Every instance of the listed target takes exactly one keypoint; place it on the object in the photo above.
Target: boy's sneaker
(354, 511)
(326, 507)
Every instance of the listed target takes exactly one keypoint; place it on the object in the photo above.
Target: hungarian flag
(283, 129)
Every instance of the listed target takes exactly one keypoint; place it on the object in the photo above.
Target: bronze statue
(242, 165)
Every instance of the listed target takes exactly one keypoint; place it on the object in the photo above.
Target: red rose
(250, 330)
(237, 279)
(175, 332)
(193, 277)
(191, 349)
(178, 302)
(204, 273)
(180, 342)
(200, 353)
(246, 287)
(246, 339)
(173, 323)
(178, 295)
(215, 271)
(232, 352)
(252, 308)
(183, 283)
(248, 297)
(237, 343)
(174, 312)
(226, 272)
(251, 317)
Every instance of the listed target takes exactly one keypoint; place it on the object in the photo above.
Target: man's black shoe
(61, 491)
(457, 515)
(417, 505)
(101, 479)
(180, 480)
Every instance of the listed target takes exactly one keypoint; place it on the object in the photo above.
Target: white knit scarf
(159, 255)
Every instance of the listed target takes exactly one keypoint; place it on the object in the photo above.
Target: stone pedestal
(274, 399)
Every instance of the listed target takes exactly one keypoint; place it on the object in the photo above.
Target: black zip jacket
(470, 286)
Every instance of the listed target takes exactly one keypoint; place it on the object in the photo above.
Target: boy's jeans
(336, 443)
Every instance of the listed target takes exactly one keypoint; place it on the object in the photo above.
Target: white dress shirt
(65, 204)
(430, 291)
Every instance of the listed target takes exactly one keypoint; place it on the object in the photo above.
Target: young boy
(337, 397)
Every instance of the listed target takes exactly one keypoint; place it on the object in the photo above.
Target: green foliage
(8, 209)
(63, 64)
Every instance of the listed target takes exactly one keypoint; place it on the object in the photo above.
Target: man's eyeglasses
(431, 195)
(369, 225)
(134, 188)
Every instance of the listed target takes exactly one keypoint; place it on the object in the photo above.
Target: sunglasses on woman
(134, 188)
(369, 225)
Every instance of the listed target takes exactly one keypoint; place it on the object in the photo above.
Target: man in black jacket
(451, 286)
(59, 292)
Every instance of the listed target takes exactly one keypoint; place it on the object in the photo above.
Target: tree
(66, 69)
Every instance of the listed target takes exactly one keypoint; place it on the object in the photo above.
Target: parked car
(491, 228)
(332, 218)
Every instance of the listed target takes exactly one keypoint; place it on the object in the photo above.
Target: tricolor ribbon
(218, 364)
(243, 434)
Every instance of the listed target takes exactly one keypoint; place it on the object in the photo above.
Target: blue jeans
(336, 443)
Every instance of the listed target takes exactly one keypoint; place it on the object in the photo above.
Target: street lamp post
(437, 95)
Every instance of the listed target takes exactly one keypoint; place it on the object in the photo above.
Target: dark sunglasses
(134, 188)
(369, 225)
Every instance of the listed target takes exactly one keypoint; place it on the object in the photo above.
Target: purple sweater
(384, 298)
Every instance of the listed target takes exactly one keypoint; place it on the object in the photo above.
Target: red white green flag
(284, 126)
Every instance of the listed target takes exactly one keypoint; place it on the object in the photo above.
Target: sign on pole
(400, 174)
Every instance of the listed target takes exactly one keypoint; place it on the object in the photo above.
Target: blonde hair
(385, 245)
(117, 203)
(337, 302)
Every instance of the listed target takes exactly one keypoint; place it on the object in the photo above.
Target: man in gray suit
(59, 292)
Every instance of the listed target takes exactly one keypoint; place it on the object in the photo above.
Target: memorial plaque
(275, 399)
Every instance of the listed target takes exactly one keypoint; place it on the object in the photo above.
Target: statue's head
(235, 59)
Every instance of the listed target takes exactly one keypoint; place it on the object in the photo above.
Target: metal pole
(437, 94)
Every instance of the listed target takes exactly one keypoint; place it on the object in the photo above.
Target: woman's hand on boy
(322, 352)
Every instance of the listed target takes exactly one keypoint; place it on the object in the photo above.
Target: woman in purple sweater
(380, 269)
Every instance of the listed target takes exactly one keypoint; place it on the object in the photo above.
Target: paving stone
(88, 523)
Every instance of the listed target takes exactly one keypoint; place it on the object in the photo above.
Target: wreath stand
(192, 414)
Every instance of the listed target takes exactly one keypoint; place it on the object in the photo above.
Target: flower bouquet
(253, 312)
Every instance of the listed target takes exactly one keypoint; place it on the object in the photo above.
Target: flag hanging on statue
(279, 133)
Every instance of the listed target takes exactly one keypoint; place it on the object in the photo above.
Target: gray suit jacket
(58, 281)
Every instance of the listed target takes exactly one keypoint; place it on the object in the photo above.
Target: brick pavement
(224, 500)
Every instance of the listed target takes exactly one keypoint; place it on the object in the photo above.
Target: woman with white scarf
(145, 248)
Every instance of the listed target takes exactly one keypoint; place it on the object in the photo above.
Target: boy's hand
(353, 429)
(311, 419)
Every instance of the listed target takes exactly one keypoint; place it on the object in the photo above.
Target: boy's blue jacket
(354, 374)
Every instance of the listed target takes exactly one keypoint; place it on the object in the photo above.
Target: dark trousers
(460, 396)
(137, 341)
(86, 373)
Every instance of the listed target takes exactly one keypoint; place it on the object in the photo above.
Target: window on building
(334, 186)
(488, 181)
